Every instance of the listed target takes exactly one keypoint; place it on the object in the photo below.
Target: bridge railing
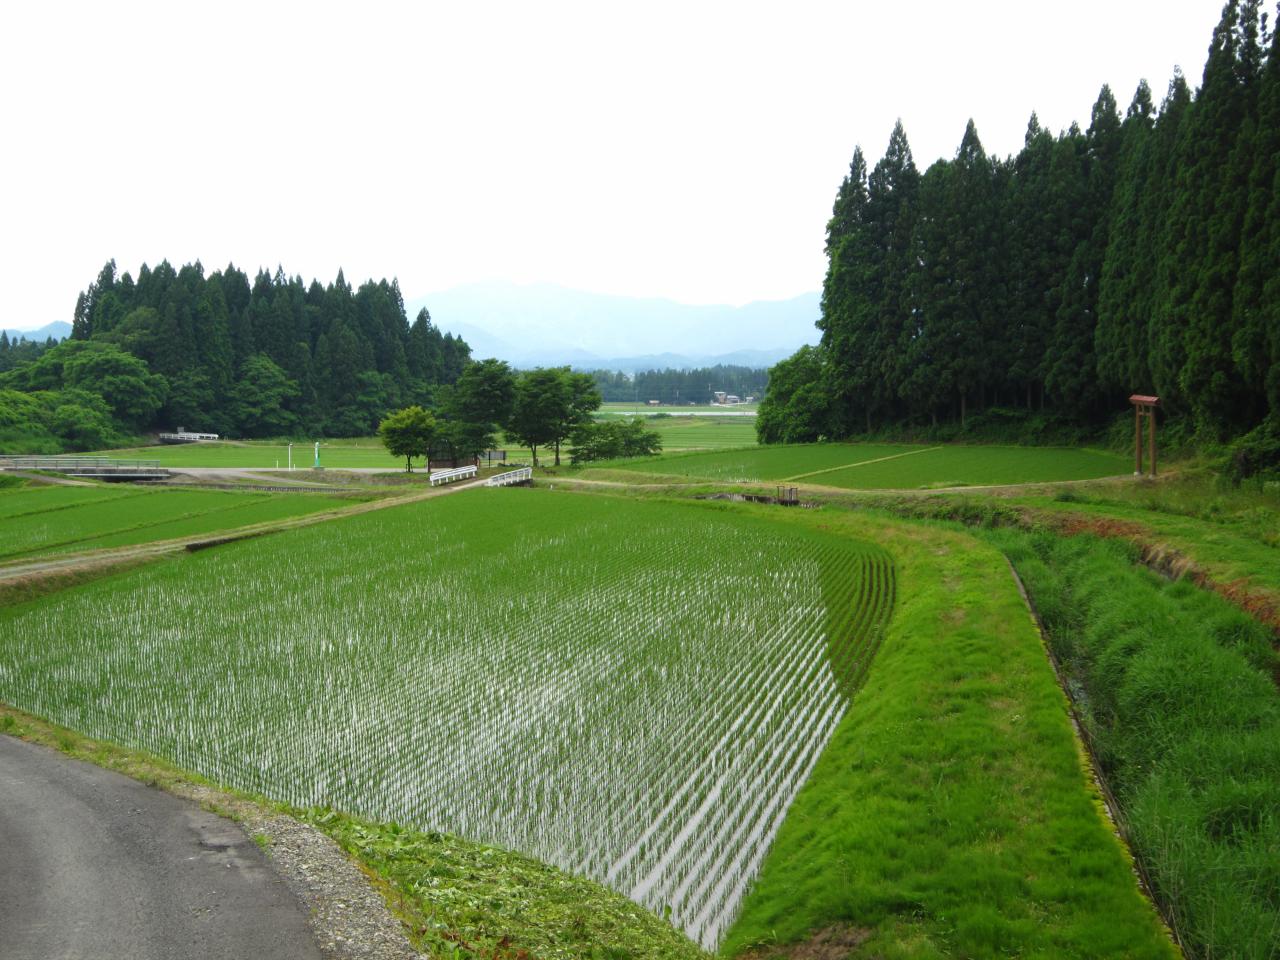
(76, 464)
(522, 475)
(449, 476)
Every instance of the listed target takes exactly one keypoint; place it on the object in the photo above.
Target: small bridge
(449, 476)
(101, 468)
(510, 478)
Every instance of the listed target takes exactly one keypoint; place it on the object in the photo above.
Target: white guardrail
(510, 477)
(448, 476)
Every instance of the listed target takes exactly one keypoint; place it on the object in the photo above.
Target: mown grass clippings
(469, 900)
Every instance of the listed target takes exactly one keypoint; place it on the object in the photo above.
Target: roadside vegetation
(463, 899)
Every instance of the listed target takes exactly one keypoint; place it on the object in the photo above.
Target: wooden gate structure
(1144, 408)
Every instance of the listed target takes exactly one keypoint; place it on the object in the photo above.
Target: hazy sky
(686, 150)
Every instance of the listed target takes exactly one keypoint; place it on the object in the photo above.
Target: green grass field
(42, 520)
(630, 690)
(882, 466)
(1234, 534)
(950, 815)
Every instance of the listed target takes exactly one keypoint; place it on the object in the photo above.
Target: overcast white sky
(685, 150)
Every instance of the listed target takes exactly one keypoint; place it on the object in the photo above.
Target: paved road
(95, 865)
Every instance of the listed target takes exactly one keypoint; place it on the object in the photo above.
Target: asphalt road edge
(349, 915)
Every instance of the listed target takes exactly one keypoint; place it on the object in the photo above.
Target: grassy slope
(63, 519)
(457, 898)
(1233, 535)
(950, 815)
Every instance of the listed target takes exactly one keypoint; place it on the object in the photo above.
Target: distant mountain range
(59, 330)
(547, 325)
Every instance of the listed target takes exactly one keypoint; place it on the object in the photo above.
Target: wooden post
(1137, 441)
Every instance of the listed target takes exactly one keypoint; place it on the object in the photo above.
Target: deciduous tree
(408, 433)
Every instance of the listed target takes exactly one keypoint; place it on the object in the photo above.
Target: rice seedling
(632, 691)
(58, 520)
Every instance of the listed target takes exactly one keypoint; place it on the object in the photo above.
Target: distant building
(655, 403)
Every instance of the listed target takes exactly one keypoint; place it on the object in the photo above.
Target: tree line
(225, 354)
(273, 354)
(21, 350)
(1140, 254)
(539, 408)
(671, 386)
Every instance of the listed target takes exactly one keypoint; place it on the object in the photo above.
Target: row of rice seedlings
(629, 694)
(26, 502)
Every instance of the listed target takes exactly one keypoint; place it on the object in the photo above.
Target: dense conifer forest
(1139, 254)
(222, 353)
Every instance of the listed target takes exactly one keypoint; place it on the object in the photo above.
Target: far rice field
(703, 432)
(678, 433)
(58, 519)
(864, 466)
(359, 452)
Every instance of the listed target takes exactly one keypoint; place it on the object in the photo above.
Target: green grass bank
(1175, 687)
(951, 814)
